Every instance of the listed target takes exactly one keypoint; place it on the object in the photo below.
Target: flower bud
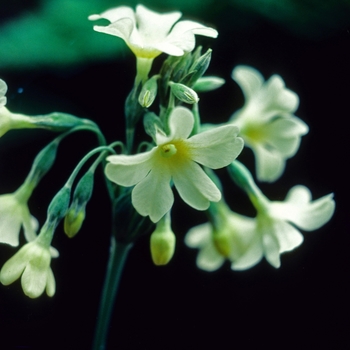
(73, 221)
(44, 160)
(205, 84)
(76, 213)
(148, 92)
(59, 205)
(162, 242)
(184, 93)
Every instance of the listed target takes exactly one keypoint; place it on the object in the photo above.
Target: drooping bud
(59, 205)
(76, 213)
(162, 242)
(73, 221)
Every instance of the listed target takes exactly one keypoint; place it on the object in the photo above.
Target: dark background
(304, 303)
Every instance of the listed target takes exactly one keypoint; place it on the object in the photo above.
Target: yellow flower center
(174, 154)
(168, 150)
(254, 132)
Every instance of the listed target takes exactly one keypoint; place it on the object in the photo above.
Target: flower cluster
(177, 153)
(244, 240)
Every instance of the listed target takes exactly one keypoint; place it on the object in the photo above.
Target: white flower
(266, 121)
(14, 214)
(32, 262)
(149, 33)
(175, 159)
(270, 234)
(239, 233)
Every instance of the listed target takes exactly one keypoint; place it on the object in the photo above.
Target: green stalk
(117, 258)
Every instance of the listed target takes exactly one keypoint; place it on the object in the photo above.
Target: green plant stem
(117, 258)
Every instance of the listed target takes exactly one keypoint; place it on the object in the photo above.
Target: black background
(303, 304)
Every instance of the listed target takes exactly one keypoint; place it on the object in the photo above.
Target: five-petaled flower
(149, 33)
(266, 121)
(272, 232)
(32, 262)
(175, 159)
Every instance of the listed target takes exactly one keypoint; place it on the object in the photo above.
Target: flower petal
(10, 219)
(122, 29)
(183, 34)
(298, 195)
(33, 281)
(278, 98)
(251, 257)
(153, 195)
(199, 236)
(271, 247)
(51, 283)
(3, 90)
(152, 26)
(209, 259)
(288, 236)
(249, 79)
(13, 268)
(216, 148)
(115, 14)
(181, 123)
(269, 163)
(128, 170)
(307, 216)
(285, 134)
(195, 187)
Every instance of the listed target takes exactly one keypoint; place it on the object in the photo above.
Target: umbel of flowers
(176, 153)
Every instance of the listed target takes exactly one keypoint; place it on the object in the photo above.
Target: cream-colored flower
(14, 214)
(273, 231)
(175, 160)
(32, 262)
(233, 239)
(149, 33)
(266, 121)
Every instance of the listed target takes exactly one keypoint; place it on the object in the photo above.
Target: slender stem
(72, 177)
(117, 259)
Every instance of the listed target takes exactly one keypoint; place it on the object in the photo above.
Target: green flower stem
(72, 177)
(117, 258)
(197, 119)
(143, 67)
(244, 179)
(130, 139)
